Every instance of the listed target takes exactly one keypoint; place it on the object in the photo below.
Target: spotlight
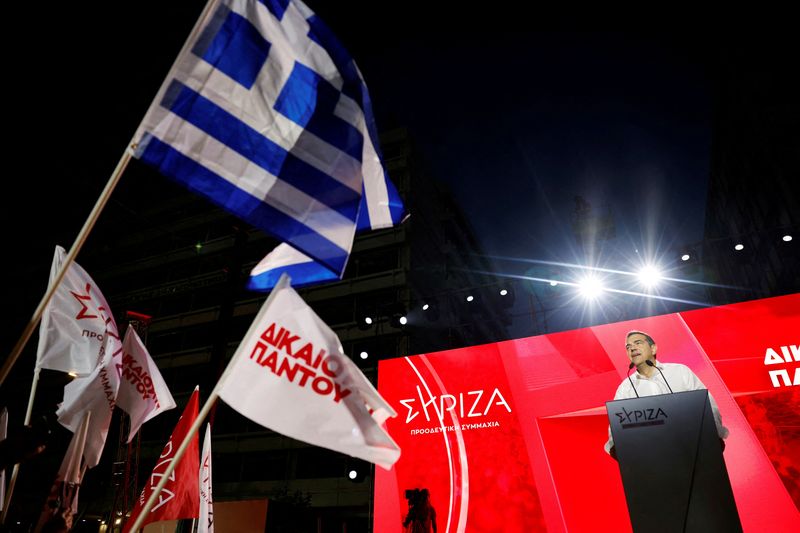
(364, 322)
(398, 320)
(504, 300)
(739, 247)
(685, 257)
(356, 470)
(397, 315)
(590, 287)
(470, 298)
(787, 238)
(649, 276)
(425, 307)
(553, 283)
(364, 355)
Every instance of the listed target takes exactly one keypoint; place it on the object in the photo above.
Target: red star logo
(84, 308)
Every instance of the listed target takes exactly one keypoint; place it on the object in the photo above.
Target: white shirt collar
(659, 365)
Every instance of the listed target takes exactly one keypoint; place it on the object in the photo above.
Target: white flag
(290, 375)
(142, 391)
(74, 323)
(3, 432)
(205, 524)
(97, 393)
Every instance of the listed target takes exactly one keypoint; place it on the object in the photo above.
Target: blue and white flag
(267, 115)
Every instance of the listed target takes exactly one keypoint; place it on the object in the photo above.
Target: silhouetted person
(24, 443)
(421, 514)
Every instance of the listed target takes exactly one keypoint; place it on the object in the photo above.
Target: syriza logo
(461, 406)
(641, 417)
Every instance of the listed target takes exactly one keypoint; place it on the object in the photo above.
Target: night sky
(518, 112)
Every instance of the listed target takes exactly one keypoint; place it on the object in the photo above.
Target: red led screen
(529, 453)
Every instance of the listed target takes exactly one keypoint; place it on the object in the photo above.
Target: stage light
(590, 287)
(364, 321)
(787, 238)
(356, 470)
(397, 315)
(363, 355)
(425, 307)
(649, 276)
(470, 298)
(685, 257)
(503, 292)
(553, 283)
(739, 247)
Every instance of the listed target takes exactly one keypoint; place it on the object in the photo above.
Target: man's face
(639, 350)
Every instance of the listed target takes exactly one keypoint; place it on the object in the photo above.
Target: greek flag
(266, 114)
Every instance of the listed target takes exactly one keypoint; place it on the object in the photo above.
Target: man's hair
(650, 340)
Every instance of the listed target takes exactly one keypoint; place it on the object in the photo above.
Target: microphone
(629, 379)
(651, 363)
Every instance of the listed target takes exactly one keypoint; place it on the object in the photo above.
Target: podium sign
(671, 464)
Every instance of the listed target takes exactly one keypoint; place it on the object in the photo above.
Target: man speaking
(654, 377)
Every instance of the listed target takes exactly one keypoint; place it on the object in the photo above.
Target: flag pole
(212, 398)
(15, 472)
(68, 260)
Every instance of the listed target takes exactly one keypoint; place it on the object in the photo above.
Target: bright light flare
(685, 257)
(352, 474)
(403, 321)
(425, 307)
(787, 238)
(739, 247)
(368, 320)
(590, 287)
(503, 292)
(364, 355)
(470, 298)
(649, 276)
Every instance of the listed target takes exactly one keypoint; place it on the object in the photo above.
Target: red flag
(180, 496)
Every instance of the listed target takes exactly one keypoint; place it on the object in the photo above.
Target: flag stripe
(234, 46)
(308, 273)
(253, 210)
(309, 101)
(234, 133)
(381, 205)
(276, 7)
(253, 180)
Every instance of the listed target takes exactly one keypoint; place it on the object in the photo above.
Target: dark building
(754, 184)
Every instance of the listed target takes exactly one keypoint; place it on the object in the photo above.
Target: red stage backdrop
(529, 454)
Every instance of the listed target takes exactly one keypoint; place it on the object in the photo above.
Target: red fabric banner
(180, 496)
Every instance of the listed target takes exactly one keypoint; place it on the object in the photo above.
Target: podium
(671, 464)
